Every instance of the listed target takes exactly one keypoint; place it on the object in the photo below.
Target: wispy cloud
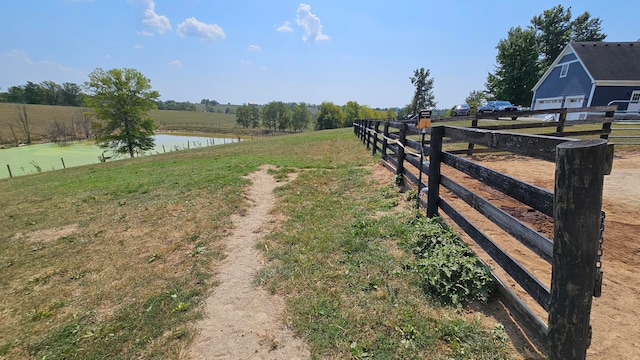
(286, 27)
(246, 62)
(311, 24)
(175, 63)
(254, 47)
(17, 68)
(194, 27)
(138, 46)
(151, 19)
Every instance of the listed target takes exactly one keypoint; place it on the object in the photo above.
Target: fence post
(580, 167)
(385, 143)
(402, 141)
(435, 159)
(474, 124)
(561, 120)
(367, 135)
(375, 137)
(9, 168)
(63, 166)
(606, 125)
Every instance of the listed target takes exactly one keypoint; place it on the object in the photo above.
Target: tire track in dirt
(243, 321)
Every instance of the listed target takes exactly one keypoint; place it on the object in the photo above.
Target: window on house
(564, 70)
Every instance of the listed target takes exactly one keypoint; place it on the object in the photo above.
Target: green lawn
(114, 260)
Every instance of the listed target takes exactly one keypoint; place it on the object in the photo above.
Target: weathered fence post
(561, 120)
(580, 167)
(375, 137)
(474, 124)
(385, 143)
(63, 166)
(402, 142)
(368, 134)
(435, 159)
(9, 168)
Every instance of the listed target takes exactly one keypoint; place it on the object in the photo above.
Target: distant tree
(351, 111)
(555, 29)
(475, 99)
(300, 117)
(24, 123)
(122, 98)
(329, 116)
(243, 116)
(33, 93)
(15, 94)
(367, 112)
(391, 114)
(59, 132)
(407, 110)
(82, 121)
(276, 115)
(70, 95)
(423, 97)
(50, 92)
(254, 116)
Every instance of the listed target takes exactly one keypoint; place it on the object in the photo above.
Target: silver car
(461, 110)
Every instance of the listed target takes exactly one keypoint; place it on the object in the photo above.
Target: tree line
(70, 94)
(294, 117)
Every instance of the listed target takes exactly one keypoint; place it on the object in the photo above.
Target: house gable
(598, 71)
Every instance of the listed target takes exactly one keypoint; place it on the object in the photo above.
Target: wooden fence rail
(573, 251)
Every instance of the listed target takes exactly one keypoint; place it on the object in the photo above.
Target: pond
(32, 159)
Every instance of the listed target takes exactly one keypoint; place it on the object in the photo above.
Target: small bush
(448, 268)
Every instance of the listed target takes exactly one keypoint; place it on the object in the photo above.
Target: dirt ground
(616, 314)
(243, 321)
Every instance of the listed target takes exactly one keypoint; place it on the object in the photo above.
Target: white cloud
(195, 28)
(17, 68)
(263, 68)
(147, 10)
(138, 46)
(245, 62)
(311, 24)
(175, 63)
(286, 27)
(254, 47)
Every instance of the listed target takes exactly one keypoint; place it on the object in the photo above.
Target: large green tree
(423, 97)
(121, 99)
(517, 69)
(555, 29)
(301, 117)
(351, 111)
(276, 115)
(330, 116)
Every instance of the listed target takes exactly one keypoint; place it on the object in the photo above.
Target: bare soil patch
(243, 321)
(615, 315)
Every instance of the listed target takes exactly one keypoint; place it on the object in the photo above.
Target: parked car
(461, 110)
(495, 106)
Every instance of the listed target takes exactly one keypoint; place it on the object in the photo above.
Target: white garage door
(552, 103)
(575, 102)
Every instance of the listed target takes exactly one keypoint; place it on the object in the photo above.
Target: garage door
(543, 104)
(575, 102)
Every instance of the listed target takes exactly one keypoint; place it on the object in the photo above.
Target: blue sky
(243, 51)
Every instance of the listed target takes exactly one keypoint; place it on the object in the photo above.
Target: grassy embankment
(114, 260)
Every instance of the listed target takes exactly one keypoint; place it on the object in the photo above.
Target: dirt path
(243, 321)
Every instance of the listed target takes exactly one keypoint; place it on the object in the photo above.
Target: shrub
(448, 268)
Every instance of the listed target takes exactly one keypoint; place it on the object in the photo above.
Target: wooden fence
(575, 207)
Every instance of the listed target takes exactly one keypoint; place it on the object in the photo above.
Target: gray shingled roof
(610, 60)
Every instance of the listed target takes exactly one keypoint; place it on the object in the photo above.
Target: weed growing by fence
(449, 269)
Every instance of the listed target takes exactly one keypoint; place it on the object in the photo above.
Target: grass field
(41, 117)
(114, 260)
